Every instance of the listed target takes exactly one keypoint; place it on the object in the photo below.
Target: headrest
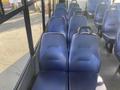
(84, 29)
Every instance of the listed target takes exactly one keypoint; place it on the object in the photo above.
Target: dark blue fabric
(99, 14)
(73, 11)
(57, 24)
(92, 5)
(84, 62)
(117, 45)
(76, 22)
(111, 24)
(61, 5)
(84, 53)
(73, 5)
(83, 81)
(85, 29)
(60, 12)
(53, 53)
(51, 81)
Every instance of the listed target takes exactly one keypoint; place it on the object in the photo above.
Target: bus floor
(109, 64)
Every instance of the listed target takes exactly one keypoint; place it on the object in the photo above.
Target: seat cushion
(53, 53)
(51, 81)
(82, 81)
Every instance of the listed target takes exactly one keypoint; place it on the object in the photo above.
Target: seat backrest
(76, 21)
(74, 11)
(60, 5)
(117, 45)
(57, 24)
(53, 54)
(111, 20)
(84, 53)
(73, 5)
(84, 61)
(100, 11)
(60, 12)
(92, 5)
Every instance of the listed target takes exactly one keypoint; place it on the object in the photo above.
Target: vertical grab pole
(1, 8)
(53, 5)
(28, 27)
(49, 7)
(67, 3)
(43, 14)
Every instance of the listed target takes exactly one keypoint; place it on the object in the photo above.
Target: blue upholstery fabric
(57, 24)
(61, 5)
(60, 12)
(74, 10)
(73, 5)
(111, 24)
(92, 5)
(76, 22)
(84, 62)
(53, 58)
(51, 81)
(117, 45)
(99, 14)
(85, 29)
(53, 53)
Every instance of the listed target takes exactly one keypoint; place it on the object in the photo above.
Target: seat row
(107, 20)
(60, 70)
(69, 54)
(66, 21)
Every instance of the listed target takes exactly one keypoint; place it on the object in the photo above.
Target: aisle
(108, 66)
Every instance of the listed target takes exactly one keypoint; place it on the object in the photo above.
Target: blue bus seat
(60, 5)
(92, 5)
(53, 54)
(84, 62)
(99, 14)
(57, 24)
(61, 12)
(73, 11)
(53, 58)
(110, 26)
(75, 22)
(84, 29)
(117, 46)
(51, 81)
(73, 4)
